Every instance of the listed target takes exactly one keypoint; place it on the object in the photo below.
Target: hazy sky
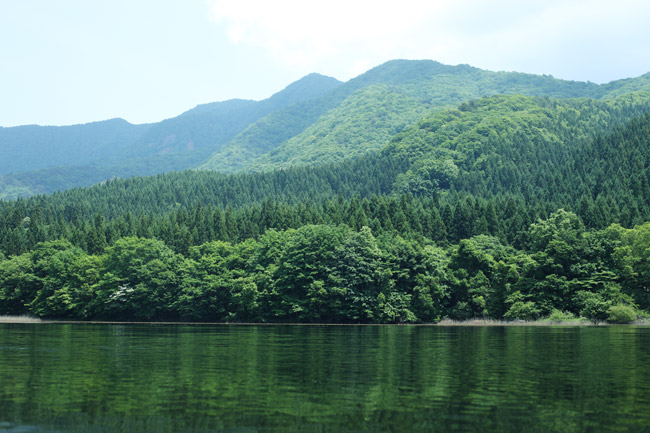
(75, 61)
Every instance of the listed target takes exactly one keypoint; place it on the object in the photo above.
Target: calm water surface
(186, 378)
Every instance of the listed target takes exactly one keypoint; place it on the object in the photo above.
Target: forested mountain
(204, 129)
(313, 121)
(312, 132)
(538, 151)
(46, 159)
(506, 207)
(363, 123)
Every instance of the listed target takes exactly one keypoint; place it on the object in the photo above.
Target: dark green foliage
(522, 310)
(510, 207)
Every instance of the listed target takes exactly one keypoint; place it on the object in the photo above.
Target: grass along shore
(579, 321)
(20, 319)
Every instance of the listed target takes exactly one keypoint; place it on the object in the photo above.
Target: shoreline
(442, 323)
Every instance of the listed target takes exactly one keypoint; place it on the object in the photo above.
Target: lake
(219, 378)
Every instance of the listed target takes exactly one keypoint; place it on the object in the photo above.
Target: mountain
(316, 120)
(311, 132)
(90, 153)
(206, 128)
(360, 124)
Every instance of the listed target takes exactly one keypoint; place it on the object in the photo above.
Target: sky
(75, 61)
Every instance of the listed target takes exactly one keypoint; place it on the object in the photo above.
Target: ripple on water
(320, 378)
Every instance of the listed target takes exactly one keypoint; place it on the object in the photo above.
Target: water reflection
(182, 378)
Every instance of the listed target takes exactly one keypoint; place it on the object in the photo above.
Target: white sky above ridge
(74, 61)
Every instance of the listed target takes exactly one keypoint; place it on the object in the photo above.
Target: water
(201, 378)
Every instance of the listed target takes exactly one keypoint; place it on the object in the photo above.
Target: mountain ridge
(433, 84)
(171, 144)
(297, 125)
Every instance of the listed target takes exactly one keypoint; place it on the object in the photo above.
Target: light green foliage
(421, 274)
(559, 235)
(631, 254)
(621, 314)
(482, 278)
(305, 264)
(207, 282)
(593, 306)
(18, 284)
(558, 316)
(359, 272)
(64, 280)
(426, 176)
(56, 279)
(363, 123)
(138, 279)
(521, 308)
(319, 273)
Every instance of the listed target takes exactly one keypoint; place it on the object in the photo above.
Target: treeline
(336, 274)
(443, 220)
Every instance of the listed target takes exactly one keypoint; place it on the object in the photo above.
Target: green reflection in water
(185, 378)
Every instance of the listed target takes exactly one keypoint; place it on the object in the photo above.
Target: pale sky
(75, 61)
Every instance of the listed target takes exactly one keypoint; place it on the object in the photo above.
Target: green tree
(358, 271)
(308, 258)
(138, 280)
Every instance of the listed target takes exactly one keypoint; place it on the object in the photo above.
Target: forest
(505, 207)
(337, 274)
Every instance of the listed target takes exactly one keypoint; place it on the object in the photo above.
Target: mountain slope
(535, 149)
(282, 138)
(361, 124)
(204, 129)
(313, 121)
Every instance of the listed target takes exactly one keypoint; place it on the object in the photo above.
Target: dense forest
(507, 207)
(334, 273)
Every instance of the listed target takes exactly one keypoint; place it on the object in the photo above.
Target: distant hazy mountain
(208, 127)
(34, 147)
(42, 159)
